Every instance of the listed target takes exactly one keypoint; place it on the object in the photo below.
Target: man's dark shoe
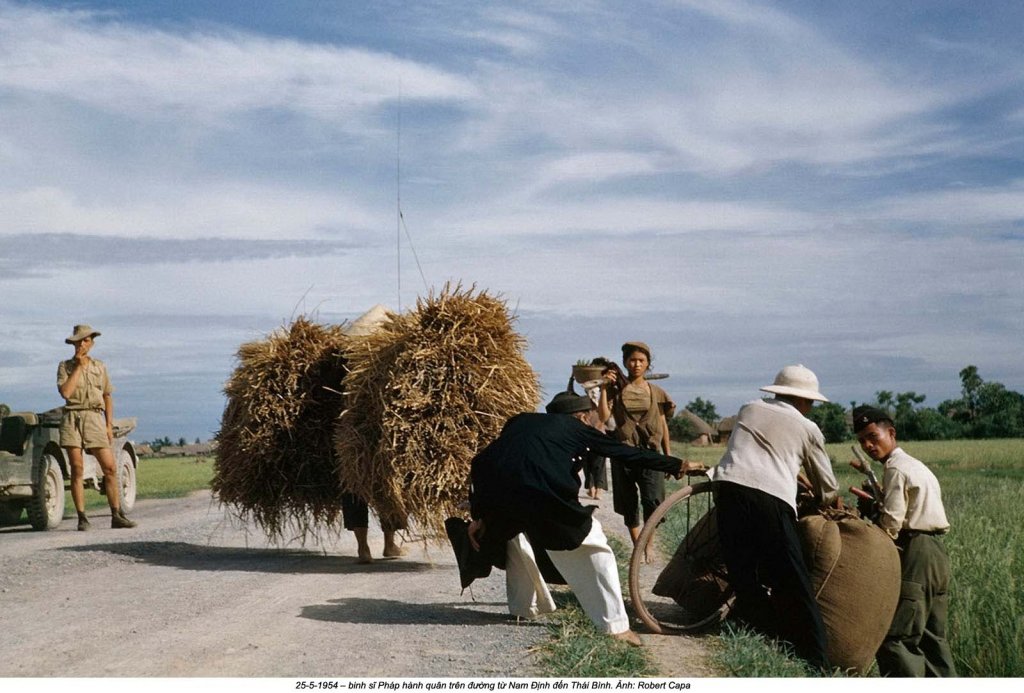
(83, 523)
(119, 521)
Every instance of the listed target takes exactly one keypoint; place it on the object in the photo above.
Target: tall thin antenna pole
(398, 198)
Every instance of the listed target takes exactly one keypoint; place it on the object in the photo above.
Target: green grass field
(982, 487)
(157, 477)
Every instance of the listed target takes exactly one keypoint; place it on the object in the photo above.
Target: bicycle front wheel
(677, 578)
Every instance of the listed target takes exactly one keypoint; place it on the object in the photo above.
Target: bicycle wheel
(689, 591)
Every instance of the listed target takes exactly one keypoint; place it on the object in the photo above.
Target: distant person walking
(640, 411)
(595, 466)
(88, 423)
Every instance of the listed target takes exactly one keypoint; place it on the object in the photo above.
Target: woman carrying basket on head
(640, 410)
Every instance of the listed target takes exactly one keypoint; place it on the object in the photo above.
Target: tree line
(166, 442)
(985, 409)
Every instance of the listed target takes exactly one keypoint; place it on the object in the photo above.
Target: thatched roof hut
(705, 434)
(725, 428)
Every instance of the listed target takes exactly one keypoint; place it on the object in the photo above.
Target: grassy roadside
(576, 649)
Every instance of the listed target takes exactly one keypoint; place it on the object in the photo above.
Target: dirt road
(191, 593)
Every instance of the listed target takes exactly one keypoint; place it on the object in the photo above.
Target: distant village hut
(725, 428)
(704, 433)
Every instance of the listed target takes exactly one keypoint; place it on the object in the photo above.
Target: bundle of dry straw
(424, 394)
(275, 458)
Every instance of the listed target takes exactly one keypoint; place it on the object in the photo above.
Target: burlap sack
(855, 572)
(694, 577)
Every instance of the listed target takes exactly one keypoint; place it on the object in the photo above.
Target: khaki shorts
(84, 428)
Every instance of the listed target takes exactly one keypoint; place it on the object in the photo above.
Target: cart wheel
(683, 527)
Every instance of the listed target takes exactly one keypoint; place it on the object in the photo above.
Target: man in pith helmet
(755, 493)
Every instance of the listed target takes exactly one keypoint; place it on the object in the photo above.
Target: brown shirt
(637, 413)
(93, 383)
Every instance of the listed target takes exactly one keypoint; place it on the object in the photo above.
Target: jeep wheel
(126, 479)
(46, 509)
(10, 513)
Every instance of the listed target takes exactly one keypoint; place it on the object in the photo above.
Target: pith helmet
(796, 381)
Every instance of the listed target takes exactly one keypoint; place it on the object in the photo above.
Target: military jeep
(34, 469)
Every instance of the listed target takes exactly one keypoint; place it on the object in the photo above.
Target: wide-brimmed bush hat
(80, 332)
(796, 381)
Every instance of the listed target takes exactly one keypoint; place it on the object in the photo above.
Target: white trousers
(590, 570)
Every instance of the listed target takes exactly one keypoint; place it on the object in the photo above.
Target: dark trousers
(766, 569)
(627, 483)
(595, 471)
(916, 643)
(355, 514)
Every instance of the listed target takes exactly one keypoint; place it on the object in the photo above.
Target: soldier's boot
(118, 520)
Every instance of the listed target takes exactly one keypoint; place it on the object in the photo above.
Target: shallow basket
(582, 374)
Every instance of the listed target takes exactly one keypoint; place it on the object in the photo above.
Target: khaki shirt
(770, 443)
(93, 383)
(912, 497)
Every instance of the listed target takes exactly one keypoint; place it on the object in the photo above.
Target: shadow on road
(176, 554)
(391, 612)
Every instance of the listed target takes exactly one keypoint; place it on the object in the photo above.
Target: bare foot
(364, 556)
(394, 551)
(629, 637)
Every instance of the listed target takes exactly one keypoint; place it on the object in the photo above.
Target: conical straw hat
(369, 321)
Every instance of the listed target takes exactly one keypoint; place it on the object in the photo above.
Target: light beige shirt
(769, 444)
(912, 497)
(93, 383)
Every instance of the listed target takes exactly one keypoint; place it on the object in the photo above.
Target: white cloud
(961, 207)
(123, 68)
(772, 91)
(222, 209)
(621, 215)
(593, 167)
(749, 17)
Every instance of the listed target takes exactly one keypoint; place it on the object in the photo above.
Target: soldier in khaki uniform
(88, 423)
(911, 512)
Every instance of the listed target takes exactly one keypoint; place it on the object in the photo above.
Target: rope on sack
(833, 515)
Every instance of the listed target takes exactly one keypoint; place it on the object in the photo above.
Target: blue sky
(740, 184)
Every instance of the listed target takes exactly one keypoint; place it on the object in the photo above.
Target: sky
(741, 185)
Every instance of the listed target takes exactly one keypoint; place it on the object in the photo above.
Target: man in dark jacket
(525, 497)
